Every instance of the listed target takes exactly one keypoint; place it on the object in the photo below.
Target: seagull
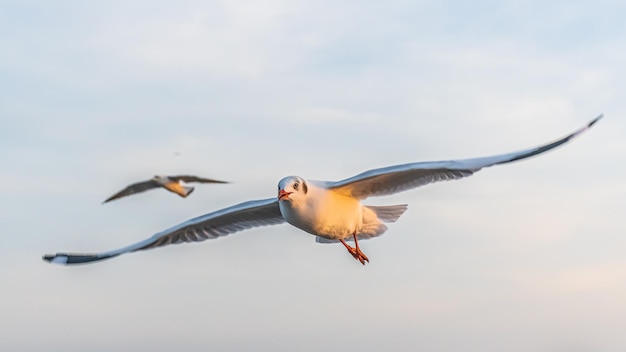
(331, 211)
(171, 183)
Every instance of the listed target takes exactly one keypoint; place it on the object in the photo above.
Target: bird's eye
(295, 186)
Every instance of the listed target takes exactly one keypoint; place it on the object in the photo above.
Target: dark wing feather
(209, 226)
(189, 179)
(134, 188)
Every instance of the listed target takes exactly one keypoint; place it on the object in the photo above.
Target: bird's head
(292, 188)
(158, 177)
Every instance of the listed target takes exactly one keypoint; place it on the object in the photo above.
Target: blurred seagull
(171, 183)
(332, 211)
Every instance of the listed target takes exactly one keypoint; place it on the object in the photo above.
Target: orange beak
(282, 194)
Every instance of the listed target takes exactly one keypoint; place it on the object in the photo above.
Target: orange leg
(356, 252)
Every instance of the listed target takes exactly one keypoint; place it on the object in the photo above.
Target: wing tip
(587, 126)
(593, 122)
(113, 197)
(71, 259)
(55, 258)
(217, 181)
(212, 180)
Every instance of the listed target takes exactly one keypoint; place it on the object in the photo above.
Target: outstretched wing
(134, 188)
(393, 179)
(209, 226)
(189, 178)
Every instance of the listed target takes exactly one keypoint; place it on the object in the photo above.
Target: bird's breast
(329, 215)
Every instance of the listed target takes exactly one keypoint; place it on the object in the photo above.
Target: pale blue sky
(520, 257)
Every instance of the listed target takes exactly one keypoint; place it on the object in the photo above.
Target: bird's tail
(388, 213)
(187, 190)
(373, 218)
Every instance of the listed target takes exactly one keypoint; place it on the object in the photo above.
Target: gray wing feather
(134, 188)
(209, 226)
(393, 179)
(189, 179)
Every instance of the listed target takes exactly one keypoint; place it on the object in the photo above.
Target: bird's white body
(323, 212)
(329, 214)
(173, 185)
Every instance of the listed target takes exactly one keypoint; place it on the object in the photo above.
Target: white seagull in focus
(332, 211)
(174, 184)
